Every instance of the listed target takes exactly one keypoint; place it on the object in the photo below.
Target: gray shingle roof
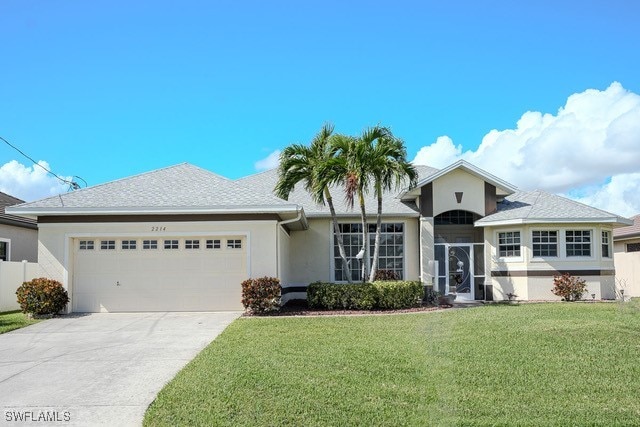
(180, 186)
(265, 182)
(7, 200)
(540, 206)
(631, 230)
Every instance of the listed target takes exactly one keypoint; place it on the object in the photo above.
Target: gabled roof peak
(501, 184)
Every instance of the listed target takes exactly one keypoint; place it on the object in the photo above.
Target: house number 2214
(158, 228)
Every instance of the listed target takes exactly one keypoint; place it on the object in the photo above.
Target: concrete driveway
(97, 369)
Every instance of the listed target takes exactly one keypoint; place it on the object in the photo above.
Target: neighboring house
(183, 238)
(626, 248)
(18, 235)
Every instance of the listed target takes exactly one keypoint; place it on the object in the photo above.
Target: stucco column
(426, 250)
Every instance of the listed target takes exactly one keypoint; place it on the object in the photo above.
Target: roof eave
(611, 220)
(16, 222)
(35, 212)
(357, 214)
(630, 236)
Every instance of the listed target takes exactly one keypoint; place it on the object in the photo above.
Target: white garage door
(158, 274)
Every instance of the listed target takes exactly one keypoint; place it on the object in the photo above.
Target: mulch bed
(300, 308)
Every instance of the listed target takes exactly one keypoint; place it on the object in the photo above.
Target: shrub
(385, 275)
(261, 295)
(332, 296)
(569, 287)
(42, 296)
(399, 294)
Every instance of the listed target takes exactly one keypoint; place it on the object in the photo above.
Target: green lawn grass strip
(535, 364)
(11, 320)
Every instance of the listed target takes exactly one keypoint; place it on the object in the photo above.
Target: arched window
(456, 217)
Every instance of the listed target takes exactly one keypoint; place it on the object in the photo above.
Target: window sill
(579, 258)
(547, 259)
(510, 259)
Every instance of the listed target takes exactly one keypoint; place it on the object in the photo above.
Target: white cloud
(269, 162)
(593, 138)
(620, 195)
(439, 154)
(29, 182)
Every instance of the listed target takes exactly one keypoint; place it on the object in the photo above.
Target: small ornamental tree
(386, 275)
(261, 295)
(568, 287)
(42, 296)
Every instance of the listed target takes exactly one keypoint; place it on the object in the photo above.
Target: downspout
(278, 225)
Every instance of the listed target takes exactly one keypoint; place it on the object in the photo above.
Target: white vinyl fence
(12, 274)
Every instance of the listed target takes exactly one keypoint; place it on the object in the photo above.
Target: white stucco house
(183, 238)
(626, 251)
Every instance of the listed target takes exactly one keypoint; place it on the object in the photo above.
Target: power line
(72, 184)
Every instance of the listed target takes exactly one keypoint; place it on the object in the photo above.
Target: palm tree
(377, 159)
(390, 170)
(356, 155)
(317, 168)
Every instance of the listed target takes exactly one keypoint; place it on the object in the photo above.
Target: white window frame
(8, 250)
(216, 244)
(107, 243)
(150, 243)
(578, 257)
(234, 244)
(332, 255)
(171, 248)
(192, 244)
(626, 247)
(559, 237)
(86, 242)
(519, 258)
(128, 243)
(608, 234)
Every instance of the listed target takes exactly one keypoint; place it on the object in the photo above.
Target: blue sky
(105, 90)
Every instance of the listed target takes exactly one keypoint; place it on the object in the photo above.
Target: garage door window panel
(234, 244)
(171, 244)
(192, 244)
(108, 245)
(213, 244)
(149, 244)
(86, 245)
(129, 245)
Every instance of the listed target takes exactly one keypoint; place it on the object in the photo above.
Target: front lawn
(531, 364)
(10, 320)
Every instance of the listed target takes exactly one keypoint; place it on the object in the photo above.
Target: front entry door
(455, 264)
(459, 270)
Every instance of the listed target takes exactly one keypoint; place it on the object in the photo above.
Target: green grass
(10, 320)
(529, 365)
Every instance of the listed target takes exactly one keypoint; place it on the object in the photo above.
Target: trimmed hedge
(364, 296)
(400, 294)
(261, 295)
(42, 296)
(332, 296)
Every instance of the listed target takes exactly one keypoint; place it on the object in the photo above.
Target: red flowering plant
(42, 297)
(568, 287)
(261, 295)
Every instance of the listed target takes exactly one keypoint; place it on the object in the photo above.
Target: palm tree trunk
(346, 272)
(365, 238)
(376, 249)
